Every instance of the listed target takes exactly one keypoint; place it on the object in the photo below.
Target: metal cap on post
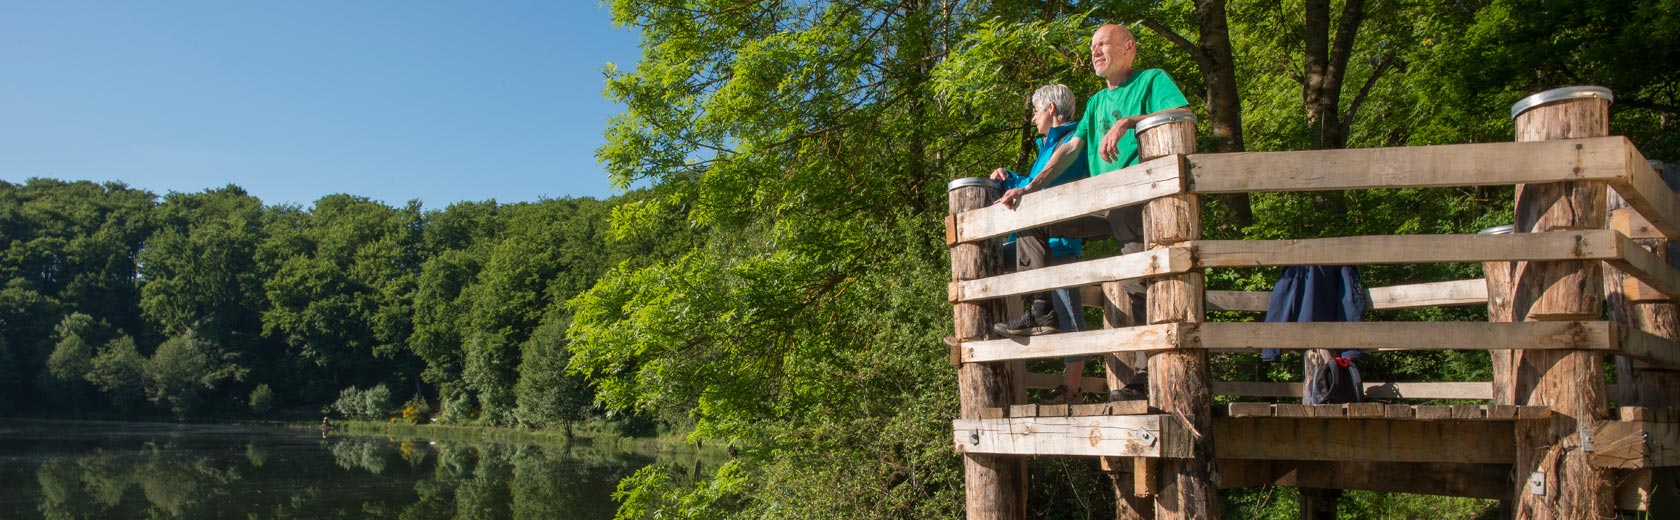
(1170, 117)
(1560, 94)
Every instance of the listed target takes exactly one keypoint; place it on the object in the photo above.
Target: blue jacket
(1078, 170)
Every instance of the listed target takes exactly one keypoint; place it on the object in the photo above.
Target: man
(1130, 96)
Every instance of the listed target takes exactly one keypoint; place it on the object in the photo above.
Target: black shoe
(1028, 325)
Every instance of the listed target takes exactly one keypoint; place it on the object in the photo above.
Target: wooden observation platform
(1584, 280)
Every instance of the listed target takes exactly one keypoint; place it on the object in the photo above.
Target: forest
(779, 285)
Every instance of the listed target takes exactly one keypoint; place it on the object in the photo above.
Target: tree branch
(1175, 38)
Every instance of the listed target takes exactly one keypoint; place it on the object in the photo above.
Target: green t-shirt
(1146, 92)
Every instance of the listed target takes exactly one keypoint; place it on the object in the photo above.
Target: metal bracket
(1537, 483)
(1147, 438)
(974, 436)
(1586, 439)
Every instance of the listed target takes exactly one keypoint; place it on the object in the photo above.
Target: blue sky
(440, 101)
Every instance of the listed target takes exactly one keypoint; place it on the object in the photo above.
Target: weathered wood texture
(1447, 479)
(1641, 307)
(1373, 390)
(1049, 381)
(1435, 294)
(1122, 267)
(1375, 440)
(1103, 435)
(1179, 382)
(1412, 166)
(1084, 343)
(1498, 276)
(1570, 383)
(1596, 244)
(995, 485)
(1130, 186)
(1635, 445)
(1389, 411)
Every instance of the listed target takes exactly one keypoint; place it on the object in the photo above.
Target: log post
(1641, 384)
(1554, 477)
(1118, 313)
(1179, 382)
(995, 484)
(1498, 277)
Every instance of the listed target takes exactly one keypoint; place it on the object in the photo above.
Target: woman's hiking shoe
(1028, 325)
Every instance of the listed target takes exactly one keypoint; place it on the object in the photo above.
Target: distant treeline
(114, 300)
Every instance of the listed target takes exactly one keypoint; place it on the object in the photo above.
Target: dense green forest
(780, 285)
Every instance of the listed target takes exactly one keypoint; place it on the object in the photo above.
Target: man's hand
(1110, 149)
(1011, 198)
(999, 175)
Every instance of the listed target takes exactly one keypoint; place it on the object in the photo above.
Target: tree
(119, 372)
(184, 369)
(547, 395)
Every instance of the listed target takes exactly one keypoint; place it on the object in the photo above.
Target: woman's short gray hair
(1058, 96)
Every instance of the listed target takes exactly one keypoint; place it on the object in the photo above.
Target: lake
(84, 469)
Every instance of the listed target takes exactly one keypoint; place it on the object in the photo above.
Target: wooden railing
(1625, 244)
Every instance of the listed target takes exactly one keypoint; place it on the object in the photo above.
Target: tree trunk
(995, 484)
(1179, 381)
(1571, 383)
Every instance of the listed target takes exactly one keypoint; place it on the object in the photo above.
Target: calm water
(64, 469)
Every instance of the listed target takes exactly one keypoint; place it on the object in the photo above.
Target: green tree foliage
(262, 400)
(185, 369)
(120, 372)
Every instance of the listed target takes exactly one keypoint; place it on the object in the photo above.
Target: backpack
(1335, 382)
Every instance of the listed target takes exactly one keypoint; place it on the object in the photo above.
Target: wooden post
(1554, 479)
(996, 484)
(1640, 384)
(1179, 383)
(1498, 277)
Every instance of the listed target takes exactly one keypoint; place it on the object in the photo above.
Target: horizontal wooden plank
(1656, 350)
(1374, 410)
(1577, 335)
(1649, 268)
(1109, 435)
(1434, 294)
(1237, 337)
(1635, 444)
(1599, 244)
(1445, 479)
(1085, 343)
(1237, 301)
(1370, 440)
(1646, 193)
(1483, 164)
(1129, 186)
(1050, 381)
(1373, 390)
(1154, 262)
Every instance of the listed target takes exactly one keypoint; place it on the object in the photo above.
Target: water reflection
(105, 472)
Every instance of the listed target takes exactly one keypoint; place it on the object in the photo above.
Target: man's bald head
(1112, 50)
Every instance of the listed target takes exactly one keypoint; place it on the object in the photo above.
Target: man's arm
(1110, 148)
(1060, 161)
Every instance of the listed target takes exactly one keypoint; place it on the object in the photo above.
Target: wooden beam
(1129, 186)
(1649, 268)
(1141, 264)
(1373, 390)
(1635, 445)
(1579, 335)
(1484, 164)
(1237, 337)
(1655, 491)
(1110, 436)
(1086, 384)
(1445, 479)
(1085, 343)
(1658, 351)
(1434, 294)
(1372, 440)
(1628, 222)
(1646, 193)
(1243, 301)
(1601, 244)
